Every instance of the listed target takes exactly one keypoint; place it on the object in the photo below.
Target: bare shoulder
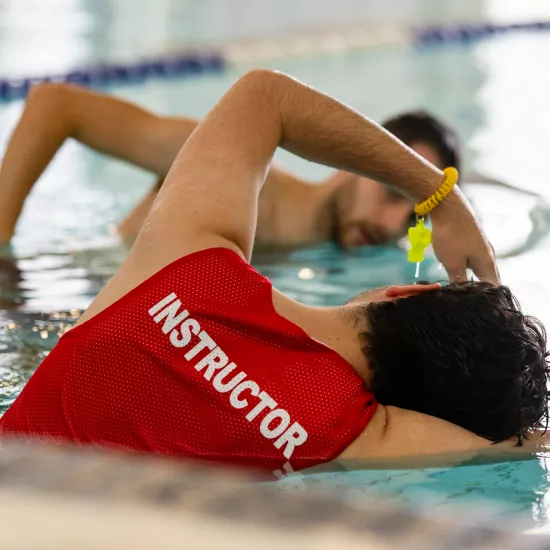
(394, 433)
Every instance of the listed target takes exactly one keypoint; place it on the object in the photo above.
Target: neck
(333, 326)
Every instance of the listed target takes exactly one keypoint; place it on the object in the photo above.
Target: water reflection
(515, 220)
(497, 489)
(10, 284)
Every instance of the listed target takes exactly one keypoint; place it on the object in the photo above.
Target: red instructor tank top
(196, 362)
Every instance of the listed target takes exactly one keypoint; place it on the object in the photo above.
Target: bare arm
(55, 112)
(398, 438)
(218, 174)
(210, 196)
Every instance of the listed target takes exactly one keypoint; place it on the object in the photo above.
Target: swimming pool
(64, 253)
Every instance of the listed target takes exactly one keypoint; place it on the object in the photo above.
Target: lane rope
(189, 64)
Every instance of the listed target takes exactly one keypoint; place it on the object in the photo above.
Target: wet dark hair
(422, 127)
(465, 354)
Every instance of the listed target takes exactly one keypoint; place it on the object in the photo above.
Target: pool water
(499, 490)
(494, 92)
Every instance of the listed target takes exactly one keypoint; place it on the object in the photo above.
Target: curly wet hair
(465, 354)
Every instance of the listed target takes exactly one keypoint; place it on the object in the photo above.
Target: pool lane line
(167, 67)
(251, 52)
(324, 43)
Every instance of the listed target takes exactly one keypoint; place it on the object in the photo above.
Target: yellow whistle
(419, 237)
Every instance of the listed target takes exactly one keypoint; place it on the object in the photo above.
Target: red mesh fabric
(218, 375)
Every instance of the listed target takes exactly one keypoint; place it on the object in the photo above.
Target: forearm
(319, 128)
(42, 129)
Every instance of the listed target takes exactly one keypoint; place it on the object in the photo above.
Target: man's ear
(404, 291)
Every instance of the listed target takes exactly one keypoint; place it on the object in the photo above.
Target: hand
(459, 241)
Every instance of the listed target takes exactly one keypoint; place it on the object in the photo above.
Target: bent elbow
(264, 79)
(49, 92)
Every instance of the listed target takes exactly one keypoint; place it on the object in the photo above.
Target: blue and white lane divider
(175, 66)
(467, 33)
(189, 64)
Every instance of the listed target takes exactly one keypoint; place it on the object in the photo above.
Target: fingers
(455, 264)
(457, 275)
(487, 271)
